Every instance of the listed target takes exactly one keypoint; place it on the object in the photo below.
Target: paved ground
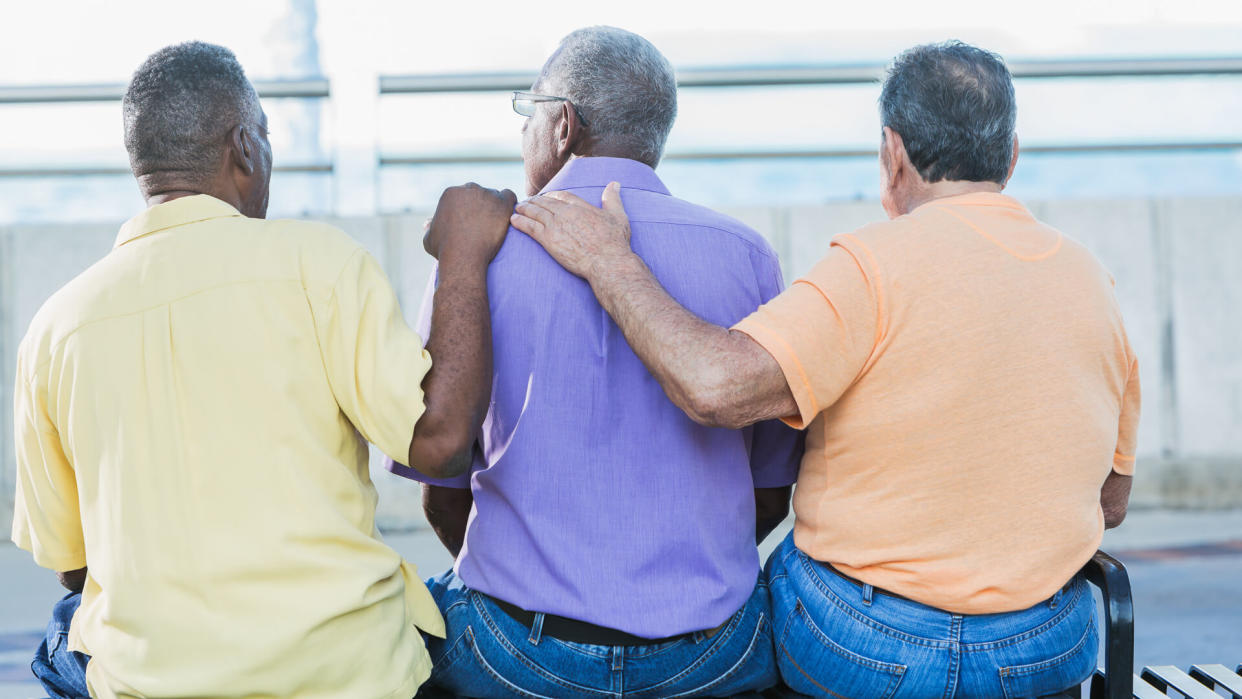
(1185, 568)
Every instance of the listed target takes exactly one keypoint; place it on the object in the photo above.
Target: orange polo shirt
(966, 384)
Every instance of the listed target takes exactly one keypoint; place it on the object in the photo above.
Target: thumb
(612, 200)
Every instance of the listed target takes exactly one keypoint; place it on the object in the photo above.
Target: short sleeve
(776, 448)
(821, 331)
(1127, 431)
(46, 518)
(374, 361)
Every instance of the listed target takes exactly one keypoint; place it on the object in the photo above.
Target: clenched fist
(470, 224)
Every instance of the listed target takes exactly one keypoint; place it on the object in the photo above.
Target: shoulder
(724, 228)
(322, 250)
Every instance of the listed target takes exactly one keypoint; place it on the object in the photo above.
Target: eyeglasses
(524, 104)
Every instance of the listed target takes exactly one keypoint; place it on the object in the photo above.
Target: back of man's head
(622, 85)
(953, 105)
(179, 109)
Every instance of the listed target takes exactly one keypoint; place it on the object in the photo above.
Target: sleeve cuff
(60, 563)
(461, 482)
(1123, 465)
(791, 367)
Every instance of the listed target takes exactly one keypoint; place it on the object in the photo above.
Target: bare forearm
(718, 377)
(1115, 498)
(458, 387)
(73, 580)
(448, 513)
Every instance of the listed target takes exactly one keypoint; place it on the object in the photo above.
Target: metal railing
(825, 75)
(47, 94)
(731, 77)
(844, 74)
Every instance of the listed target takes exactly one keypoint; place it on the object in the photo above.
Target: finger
(612, 200)
(566, 198)
(532, 227)
(509, 197)
(552, 203)
(536, 210)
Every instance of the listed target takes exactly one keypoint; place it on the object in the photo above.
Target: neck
(947, 188)
(603, 149)
(160, 189)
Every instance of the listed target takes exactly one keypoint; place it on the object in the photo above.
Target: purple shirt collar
(598, 172)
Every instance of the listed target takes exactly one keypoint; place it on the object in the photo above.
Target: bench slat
(1218, 676)
(1142, 690)
(1168, 676)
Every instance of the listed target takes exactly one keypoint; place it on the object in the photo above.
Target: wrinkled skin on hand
(581, 237)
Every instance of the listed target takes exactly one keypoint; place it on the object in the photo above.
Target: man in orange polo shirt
(968, 391)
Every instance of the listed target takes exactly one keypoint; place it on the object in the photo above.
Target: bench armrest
(1117, 680)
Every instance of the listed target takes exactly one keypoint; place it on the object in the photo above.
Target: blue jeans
(837, 638)
(61, 671)
(489, 654)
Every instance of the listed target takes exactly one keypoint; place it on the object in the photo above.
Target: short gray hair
(953, 105)
(623, 86)
(179, 106)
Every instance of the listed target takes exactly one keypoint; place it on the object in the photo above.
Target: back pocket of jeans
(1066, 670)
(812, 663)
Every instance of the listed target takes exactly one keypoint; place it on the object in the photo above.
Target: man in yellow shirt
(969, 394)
(192, 416)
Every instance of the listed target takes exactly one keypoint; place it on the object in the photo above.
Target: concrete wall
(1178, 265)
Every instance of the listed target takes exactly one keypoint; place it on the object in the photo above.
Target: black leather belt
(575, 631)
(860, 583)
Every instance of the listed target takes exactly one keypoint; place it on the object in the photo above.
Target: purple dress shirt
(595, 497)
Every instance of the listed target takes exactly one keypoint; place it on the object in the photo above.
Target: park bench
(1116, 680)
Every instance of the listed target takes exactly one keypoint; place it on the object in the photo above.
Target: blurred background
(1128, 118)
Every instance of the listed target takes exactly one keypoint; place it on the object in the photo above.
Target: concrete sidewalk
(1185, 568)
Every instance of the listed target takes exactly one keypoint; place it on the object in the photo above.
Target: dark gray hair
(179, 107)
(954, 106)
(622, 85)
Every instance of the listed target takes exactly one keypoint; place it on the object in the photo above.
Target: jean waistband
(861, 584)
(575, 631)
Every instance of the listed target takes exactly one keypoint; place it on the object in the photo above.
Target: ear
(1013, 161)
(242, 149)
(894, 154)
(569, 131)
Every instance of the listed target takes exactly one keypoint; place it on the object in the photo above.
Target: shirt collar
(976, 199)
(598, 172)
(170, 214)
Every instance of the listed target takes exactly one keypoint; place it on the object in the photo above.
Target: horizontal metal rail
(47, 94)
(111, 170)
(504, 158)
(841, 74)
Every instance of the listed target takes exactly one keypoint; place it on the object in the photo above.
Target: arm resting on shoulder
(719, 377)
(457, 389)
(467, 230)
(1114, 498)
(448, 512)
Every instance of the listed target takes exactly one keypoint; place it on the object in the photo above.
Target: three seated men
(192, 416)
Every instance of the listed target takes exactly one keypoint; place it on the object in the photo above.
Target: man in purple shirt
(606, 543)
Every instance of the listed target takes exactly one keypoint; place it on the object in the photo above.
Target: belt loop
(536, 629)
(698, 637)
(868, 591)
(618, 658)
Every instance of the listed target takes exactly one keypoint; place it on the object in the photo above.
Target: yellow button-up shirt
(191, 418)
